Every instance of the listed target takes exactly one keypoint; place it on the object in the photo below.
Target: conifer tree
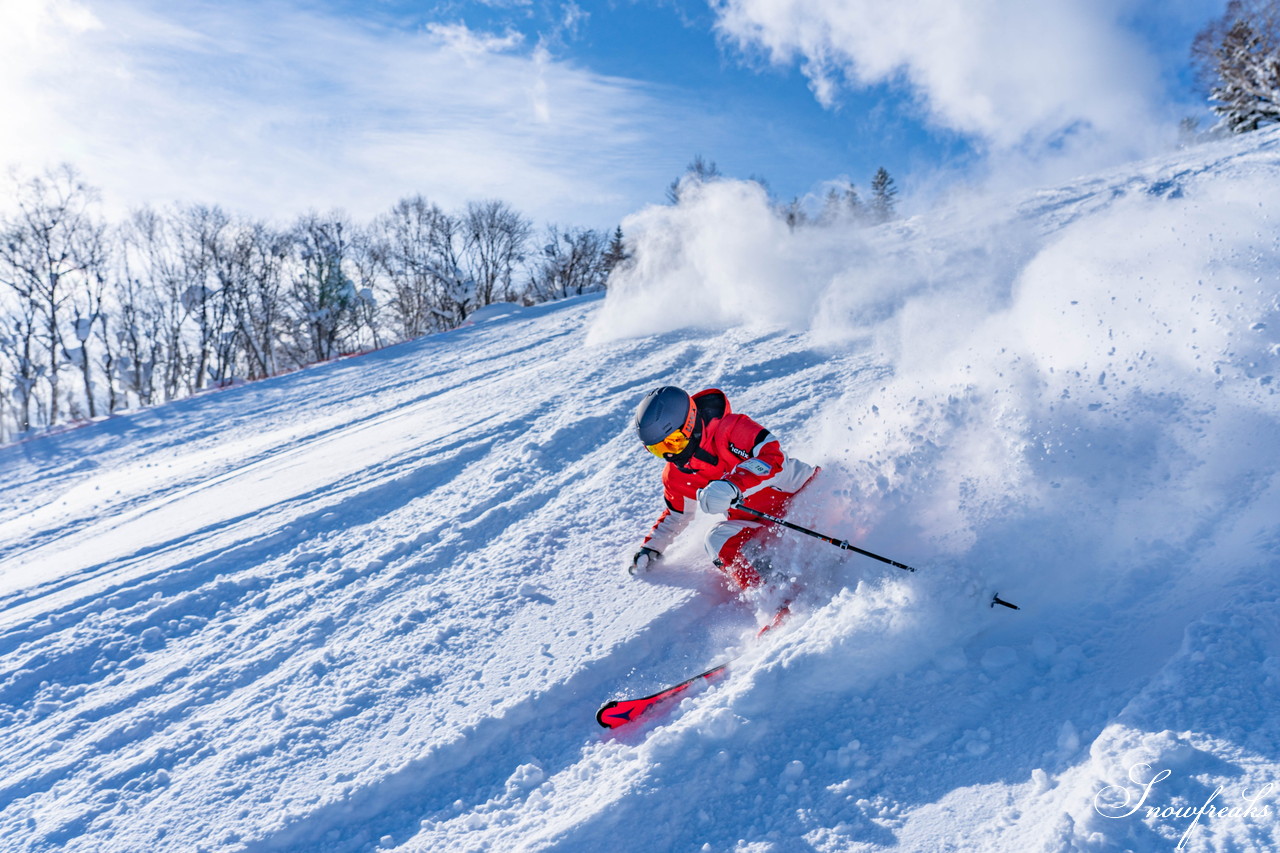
(853, 203)
(884, 195)
(832, 207)
(616, 253)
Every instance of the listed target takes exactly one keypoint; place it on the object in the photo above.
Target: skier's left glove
(717, 496)
(643, 559)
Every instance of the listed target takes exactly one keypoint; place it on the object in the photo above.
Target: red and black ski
(619, 713)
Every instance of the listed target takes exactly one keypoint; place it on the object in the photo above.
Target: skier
(715, 458)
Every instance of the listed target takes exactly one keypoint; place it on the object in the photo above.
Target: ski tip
(602, 719)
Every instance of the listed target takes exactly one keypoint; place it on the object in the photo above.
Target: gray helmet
(663, 411)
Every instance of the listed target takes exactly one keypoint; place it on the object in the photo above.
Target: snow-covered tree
(365, 275)
(1238, 57)
(322, 293)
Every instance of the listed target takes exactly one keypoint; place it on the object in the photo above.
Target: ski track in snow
(374, 604)
(233, 630)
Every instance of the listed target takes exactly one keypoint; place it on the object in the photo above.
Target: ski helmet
(665, 420)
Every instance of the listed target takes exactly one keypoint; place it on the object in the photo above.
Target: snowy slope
(375, 604)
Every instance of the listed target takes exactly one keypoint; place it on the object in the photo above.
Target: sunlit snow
(374, 605)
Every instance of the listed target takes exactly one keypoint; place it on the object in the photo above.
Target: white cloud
(273, 109)
(1010, 72)
(466, 42)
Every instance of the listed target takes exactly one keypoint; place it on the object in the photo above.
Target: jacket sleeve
(675, 518)
(761, 455)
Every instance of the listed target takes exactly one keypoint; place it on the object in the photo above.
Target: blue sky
(578, 113)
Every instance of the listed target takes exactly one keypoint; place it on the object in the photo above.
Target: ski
(618, 713)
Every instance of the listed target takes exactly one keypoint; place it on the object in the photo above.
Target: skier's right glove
(643, 560)
(717, 496)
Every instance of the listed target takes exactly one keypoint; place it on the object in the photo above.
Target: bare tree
(406, 244)
(261, 252)
(142, 327)
(50, 242)
(18, 345)
(496, 238)
(199, 236)
(699, 171)
(5, 433)
(89, 319)
(1237, 57)
(155, 306)
(572, 262)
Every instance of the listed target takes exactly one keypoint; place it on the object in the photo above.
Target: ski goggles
(674, 443)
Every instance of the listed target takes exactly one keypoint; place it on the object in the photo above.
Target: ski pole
(839, 543)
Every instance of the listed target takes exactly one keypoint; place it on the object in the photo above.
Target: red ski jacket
(726, 446)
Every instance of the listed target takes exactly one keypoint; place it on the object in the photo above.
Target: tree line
(96, 317)
(841, 204)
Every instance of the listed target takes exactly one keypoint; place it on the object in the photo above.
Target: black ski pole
(839, 543)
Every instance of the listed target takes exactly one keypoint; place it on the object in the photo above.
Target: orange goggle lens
(674, 443)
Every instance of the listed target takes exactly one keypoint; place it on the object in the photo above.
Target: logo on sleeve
(755, 466)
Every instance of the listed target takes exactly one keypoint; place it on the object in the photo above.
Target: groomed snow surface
(374, 605)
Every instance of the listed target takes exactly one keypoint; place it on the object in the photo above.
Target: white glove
(643, 561)
(717, 496)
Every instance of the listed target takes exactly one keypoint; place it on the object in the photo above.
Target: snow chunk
(526, 777)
